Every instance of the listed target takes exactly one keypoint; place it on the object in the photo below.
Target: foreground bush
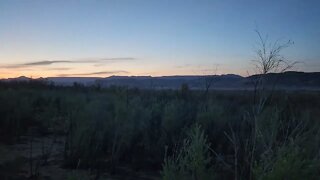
(192, 160)
(108, 130)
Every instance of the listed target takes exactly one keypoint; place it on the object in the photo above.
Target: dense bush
(192, 160)
(105, 129)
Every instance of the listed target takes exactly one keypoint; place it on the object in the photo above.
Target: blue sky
(150, 37)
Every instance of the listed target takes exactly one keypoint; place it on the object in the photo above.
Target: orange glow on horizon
(45, 74)
(120, 69)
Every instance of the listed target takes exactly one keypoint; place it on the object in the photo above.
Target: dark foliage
(109, 128)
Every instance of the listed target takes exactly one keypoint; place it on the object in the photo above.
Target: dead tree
(268, 60)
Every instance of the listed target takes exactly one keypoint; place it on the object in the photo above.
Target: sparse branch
(269, 58)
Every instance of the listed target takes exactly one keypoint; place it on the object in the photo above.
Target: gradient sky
(150, 37)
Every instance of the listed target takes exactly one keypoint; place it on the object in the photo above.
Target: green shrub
(288, 163)
(192, 160)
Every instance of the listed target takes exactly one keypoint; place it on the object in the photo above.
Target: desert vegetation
(170, 134)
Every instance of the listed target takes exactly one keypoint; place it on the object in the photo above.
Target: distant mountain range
(286, 80)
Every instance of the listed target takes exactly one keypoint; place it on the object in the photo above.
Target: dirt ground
(18, 162)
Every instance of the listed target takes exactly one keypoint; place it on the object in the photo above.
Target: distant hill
(286, 80)
(68, 81)
(169, 82)
(290, 79)
(21, 78)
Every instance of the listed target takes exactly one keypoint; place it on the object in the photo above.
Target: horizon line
(151, 76)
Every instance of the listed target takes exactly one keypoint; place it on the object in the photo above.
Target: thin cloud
(96, 73)
(75, 61)
(58, 69)
(119, 59)
(39, 63)
(36, 63)
(183, 66)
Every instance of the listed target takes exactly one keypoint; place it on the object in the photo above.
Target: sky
(45, 38)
